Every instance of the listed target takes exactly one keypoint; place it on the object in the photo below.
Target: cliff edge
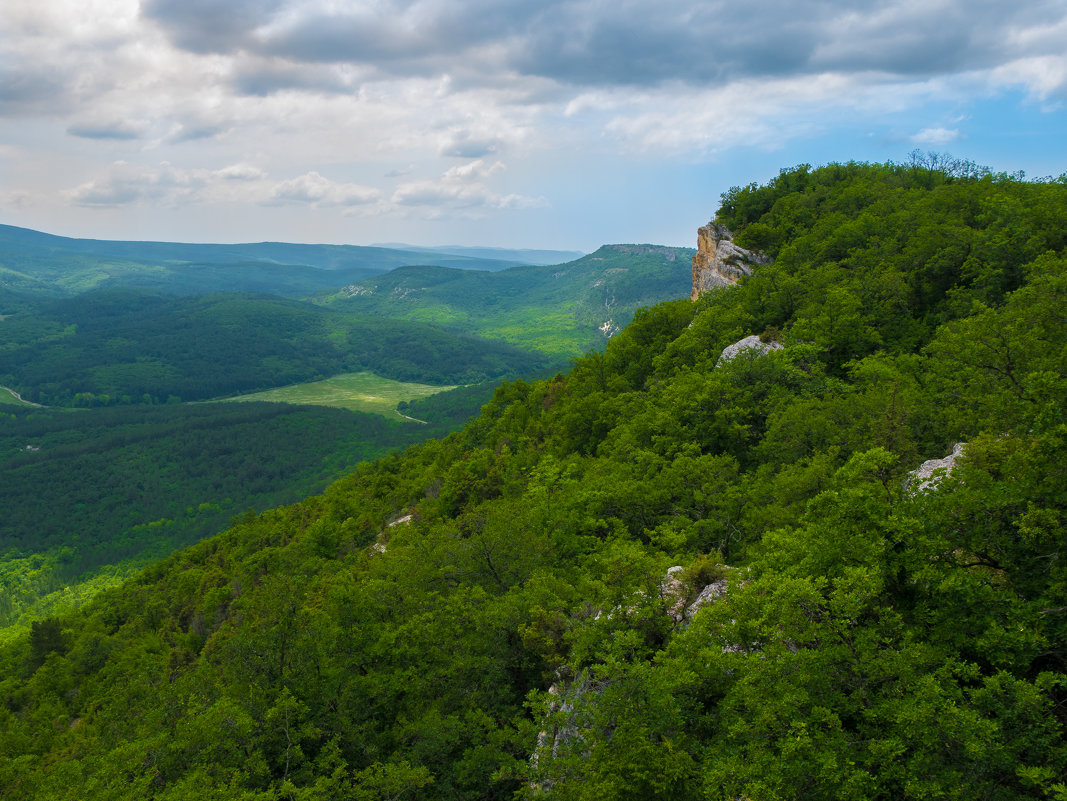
(718, 261)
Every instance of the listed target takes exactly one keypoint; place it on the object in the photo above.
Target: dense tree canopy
(875, 640)
(123, 346)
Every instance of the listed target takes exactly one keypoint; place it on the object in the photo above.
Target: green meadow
(8, 397)
(361, 392)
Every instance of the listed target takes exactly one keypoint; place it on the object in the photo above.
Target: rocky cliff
(718, 261)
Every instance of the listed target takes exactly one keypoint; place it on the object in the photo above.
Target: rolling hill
(563, 309)
(40, 263)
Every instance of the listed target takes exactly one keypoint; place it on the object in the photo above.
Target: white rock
(748, 343)
(927, 474)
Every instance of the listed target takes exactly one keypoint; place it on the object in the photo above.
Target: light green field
(8, 397)
(361, 392)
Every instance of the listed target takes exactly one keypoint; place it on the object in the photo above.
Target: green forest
(490, 615)
(92, 494)
(563, 309)
(123, 346)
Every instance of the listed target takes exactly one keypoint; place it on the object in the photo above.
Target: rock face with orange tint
(718, 261)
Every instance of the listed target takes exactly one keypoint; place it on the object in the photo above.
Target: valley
(696, 563)
(118, 469)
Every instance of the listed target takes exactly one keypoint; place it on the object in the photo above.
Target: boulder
(753, 343)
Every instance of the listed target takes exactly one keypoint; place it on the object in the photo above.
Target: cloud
(936, 137)
(241, 172)
(127, 183)
(461, 190)
(753, 113)
(632, 43)
(192, 131)
(123, 129)
(210, 26)
(473, 171)
(313, 189)
(425, 100)
(465, 145)
(1044, 76)
(163, 184)
(29, 89)
(266, 76)
(15, 199)
(444, 196)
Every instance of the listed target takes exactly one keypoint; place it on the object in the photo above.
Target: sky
(511, 123)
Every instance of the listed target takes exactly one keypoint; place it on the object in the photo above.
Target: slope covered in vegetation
(874, 642)
(126, 346)
(93, 494)
(563, 309)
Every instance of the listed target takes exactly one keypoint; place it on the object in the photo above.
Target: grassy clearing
(361, 392)
(8, 397)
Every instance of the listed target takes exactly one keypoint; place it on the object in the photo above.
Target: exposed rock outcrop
(748, 343)
(574, 692)
(929, 473)
(673, 591)
(718, 261)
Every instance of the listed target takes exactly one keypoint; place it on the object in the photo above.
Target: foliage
(87, 495)
(563, 310)
(485, 616)
(121, 346)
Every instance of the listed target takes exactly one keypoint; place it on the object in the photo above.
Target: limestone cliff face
(718, 261)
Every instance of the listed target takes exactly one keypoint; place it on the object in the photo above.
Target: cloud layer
(444, 108)
(634, 42)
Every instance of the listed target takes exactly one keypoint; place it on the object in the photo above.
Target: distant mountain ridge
(40, 263)
(521, 255)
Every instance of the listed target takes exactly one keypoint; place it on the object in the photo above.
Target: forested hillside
(488, 616)
(563, 309)
(92, 494)
(127, 346)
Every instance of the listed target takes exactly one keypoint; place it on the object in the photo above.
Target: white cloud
(936, 137)
(461, 190)
(164, 184)
(313, 189)
(115, 129)
(15, 199)
(750, 114)
(395, 108)
(464, 144)
(472, 171)
(127, 183)
(1045, 77)
(241, 172)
